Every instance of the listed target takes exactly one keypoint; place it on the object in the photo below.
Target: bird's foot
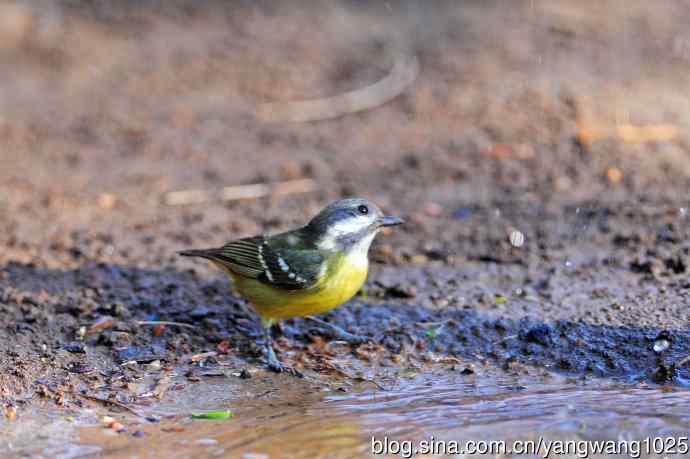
(279, 367)
(338, 333)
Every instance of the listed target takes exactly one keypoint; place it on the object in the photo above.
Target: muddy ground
(566, 122)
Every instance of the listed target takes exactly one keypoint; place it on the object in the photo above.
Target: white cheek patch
(329, 241)
(349, 226)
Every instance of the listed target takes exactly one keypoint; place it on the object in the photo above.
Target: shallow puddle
(449, 408)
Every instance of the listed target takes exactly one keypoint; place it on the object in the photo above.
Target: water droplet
(661, 345)
(683, 212)
(568, 264)
(516, 238)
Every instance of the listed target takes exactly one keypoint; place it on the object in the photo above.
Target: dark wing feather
(292, 268)
(272, 261)
(243, 257)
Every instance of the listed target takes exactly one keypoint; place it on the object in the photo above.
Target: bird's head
(349, 224)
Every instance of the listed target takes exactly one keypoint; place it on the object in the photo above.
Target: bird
(306, 271)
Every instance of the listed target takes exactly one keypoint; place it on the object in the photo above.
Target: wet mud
(547, 222)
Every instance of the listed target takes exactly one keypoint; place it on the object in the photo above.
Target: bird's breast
(342, 279)
(345, 280)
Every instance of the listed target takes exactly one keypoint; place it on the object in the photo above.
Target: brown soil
(519, 120)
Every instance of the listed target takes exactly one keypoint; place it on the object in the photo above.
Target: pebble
(107, 201)
(614, 175)
(206, 441)
(75, 348)
(433, 209)
(200, 312)
(462, 213)
(661, 345)
(516, 238)
(539, 334)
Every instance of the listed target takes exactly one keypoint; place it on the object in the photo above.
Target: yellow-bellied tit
(306, 271)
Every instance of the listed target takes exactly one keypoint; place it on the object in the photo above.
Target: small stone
(117, 339)
(75, 348)
(11, 412)
(78, 367)
(158, 330)
(107, 201)
(399, 291)
(433, 209)
(200, 312)
(462, 213)
(516, 238)
(539, 334)
(661, 345)
(206, 441)
(419, 259)
(223, 347)
(614, 175)
(139, 354)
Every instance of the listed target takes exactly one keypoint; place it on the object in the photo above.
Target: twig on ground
(239, 192)
(403, 73)
(107, 402)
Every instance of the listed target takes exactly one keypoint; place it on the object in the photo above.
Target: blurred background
(538, 149)
(105, 108)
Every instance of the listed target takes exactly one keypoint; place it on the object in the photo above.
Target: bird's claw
(277, 366)
(280, 367)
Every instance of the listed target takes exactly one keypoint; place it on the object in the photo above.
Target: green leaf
(432, 333)
(222, 414)
(500, 299)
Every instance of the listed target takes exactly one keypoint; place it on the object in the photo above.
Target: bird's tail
(209, 254)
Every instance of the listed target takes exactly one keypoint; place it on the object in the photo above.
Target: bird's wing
(271, 261)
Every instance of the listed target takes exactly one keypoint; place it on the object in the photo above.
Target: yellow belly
(343, 281)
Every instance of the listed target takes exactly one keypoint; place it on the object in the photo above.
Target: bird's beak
(391, 220)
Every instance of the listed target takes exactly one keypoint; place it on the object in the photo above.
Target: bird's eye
(363, 209)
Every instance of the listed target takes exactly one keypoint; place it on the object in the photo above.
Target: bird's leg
(273, 363)
(338, 333)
